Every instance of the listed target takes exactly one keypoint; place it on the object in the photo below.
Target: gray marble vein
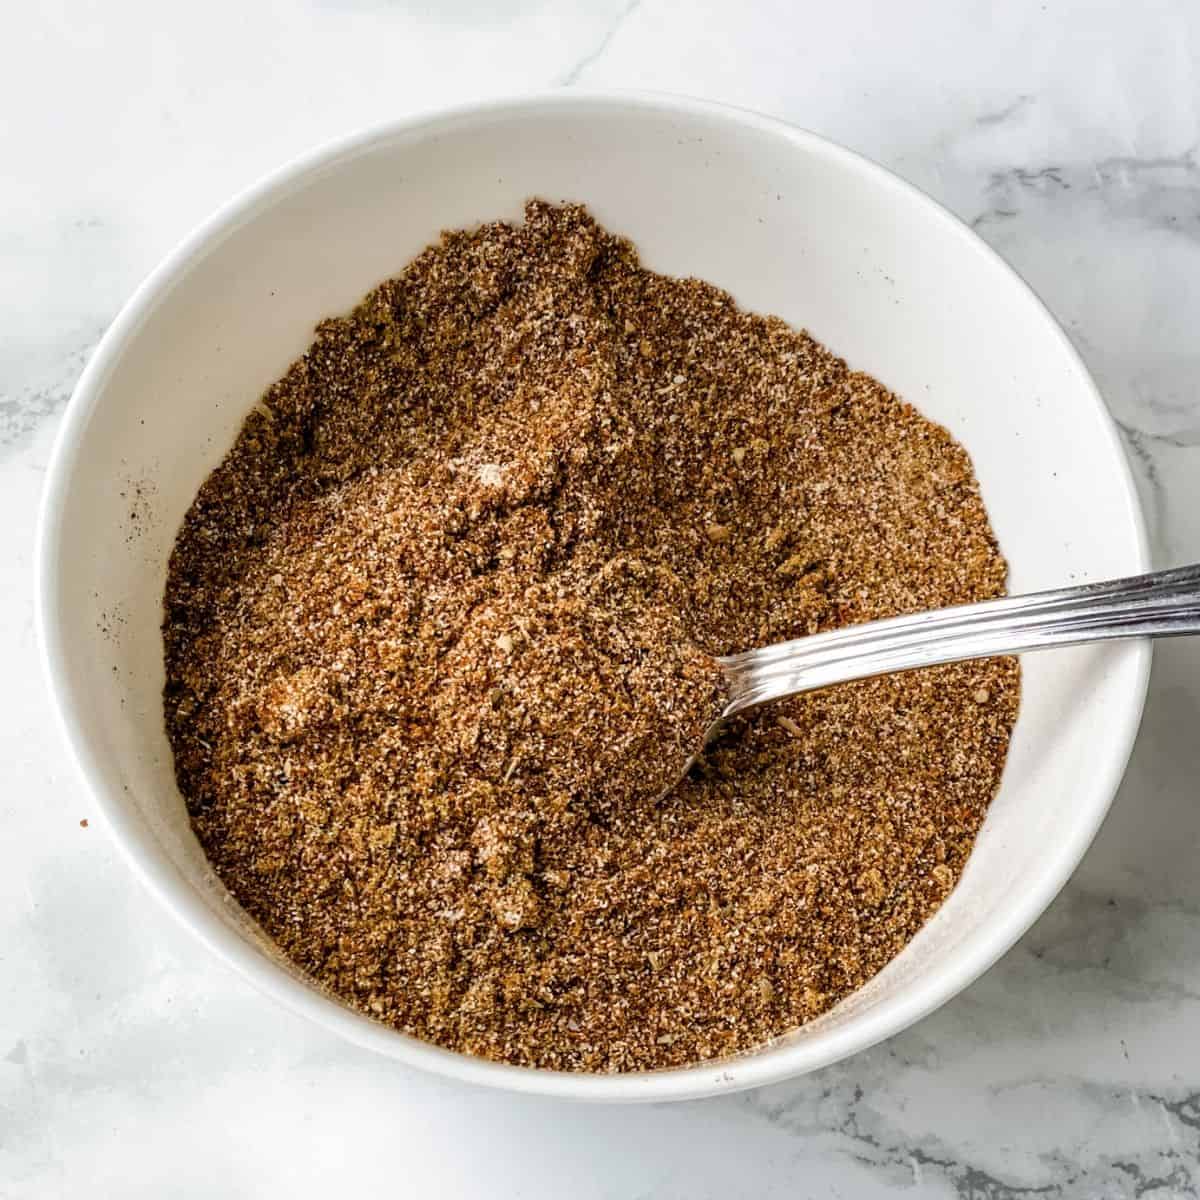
(33, 401)
(576, 72)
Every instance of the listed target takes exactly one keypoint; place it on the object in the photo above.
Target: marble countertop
(133, 1064)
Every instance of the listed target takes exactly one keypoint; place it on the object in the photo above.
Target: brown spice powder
(440, 625)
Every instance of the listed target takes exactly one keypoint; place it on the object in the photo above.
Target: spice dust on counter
(441, 627)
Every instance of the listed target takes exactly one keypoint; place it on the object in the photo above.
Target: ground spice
(443, 618)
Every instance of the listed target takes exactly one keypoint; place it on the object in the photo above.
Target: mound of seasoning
(440, 629)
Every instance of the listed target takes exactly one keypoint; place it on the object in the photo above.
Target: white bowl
(790, 225)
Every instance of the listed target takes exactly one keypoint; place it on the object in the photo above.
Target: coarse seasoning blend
(440, 629)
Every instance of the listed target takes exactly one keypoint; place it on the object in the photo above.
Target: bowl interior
(787, 223)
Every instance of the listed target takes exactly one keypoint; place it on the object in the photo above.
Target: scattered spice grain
(441, 620)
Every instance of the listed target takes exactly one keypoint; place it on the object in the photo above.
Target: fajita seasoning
(441, 627)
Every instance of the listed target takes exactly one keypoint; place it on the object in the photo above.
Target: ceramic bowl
(788, 223)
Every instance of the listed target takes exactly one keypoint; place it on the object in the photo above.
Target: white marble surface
(132, 1065)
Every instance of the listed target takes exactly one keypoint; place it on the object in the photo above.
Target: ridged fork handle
(1161, 604)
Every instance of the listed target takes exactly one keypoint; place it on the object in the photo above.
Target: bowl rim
(165, 882)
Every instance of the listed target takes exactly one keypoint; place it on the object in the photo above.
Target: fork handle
(1160, 604)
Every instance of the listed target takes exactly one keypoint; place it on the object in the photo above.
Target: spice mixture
(438, 632)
